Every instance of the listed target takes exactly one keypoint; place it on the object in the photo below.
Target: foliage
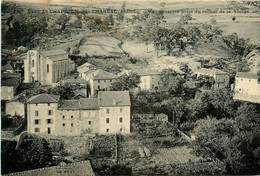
(65, 91)
(62, 20)
(225, 139)
(96, 23)
(217, 103)
(23, 32)
(238, 45)
(205, 81)
(13, 122)
(32, 154)
(172, 82)
(114, 68)
(126, 82)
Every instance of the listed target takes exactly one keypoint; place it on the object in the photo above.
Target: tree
(65, 91)
(126, 82)
(222, 139)
(172, 82)
(33, 154)
(62, 20)
(185, 19)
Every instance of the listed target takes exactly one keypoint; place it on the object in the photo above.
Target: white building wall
(42, 116)
(7, 92)
(145, 83)
(89, 121)
(247, 86)
(114, 125)
(15, 108)
(68, 123)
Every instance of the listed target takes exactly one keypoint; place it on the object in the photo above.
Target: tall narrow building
(47, 67)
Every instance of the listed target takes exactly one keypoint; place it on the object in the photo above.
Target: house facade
(247, 87)
(47, 67)
(99, 80)
(107, 114)
(19, 102)
(150, 79)
(9, 85)
(222, 79)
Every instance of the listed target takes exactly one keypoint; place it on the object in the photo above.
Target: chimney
(114, 102)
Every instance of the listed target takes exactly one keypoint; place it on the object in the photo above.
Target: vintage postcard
(110, 87)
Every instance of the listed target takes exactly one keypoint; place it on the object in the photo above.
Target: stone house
(16, 106)
(150, 79)
(107, 114)
(247, 87)
(221, 78)
(9, 85)
(99, 80)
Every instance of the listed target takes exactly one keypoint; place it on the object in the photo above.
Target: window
(71, 117)
(36, 130)
(48, 69)
(36, 104)
(89, 122)
(49, 104)
(121, 110)
(36, 113)
(50, 112)
(249, 80)
(71, 124)
(107, 130)
(105, 81)
(241, 79)
(121, 119)
(48, 121)
(110, 80)
(121, 129)
(37, 121)
(49, 130)
(107, 111)
(63, 117)
(107, 120)
(98, 87)
(32, 63)
(98, 81)
(63, 124)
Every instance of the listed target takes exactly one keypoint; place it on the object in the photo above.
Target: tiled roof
(43, 98)
(113, 98)
(19, 98)
(247, 75)
(210, 71)
(53, 52)
(101, 74)
(7, 67)
(89, 103)
(145, 72)
(77, 168)
(55, 55)
(69, 104)
(9, 79)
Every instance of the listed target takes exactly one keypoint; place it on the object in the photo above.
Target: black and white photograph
(130, 87)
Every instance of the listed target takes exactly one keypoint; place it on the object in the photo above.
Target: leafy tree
(126, 82)
(62, 20)
(65, 91)
(172, 82)
(239, 46)
(217, 103)
(222, 139)
(185, 19)
(32, 154)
